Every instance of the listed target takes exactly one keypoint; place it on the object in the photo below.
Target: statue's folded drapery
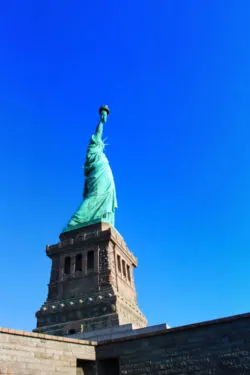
(99, 196)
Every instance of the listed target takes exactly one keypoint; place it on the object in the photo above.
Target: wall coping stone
(124, 338)
(177, 329)
(46, 337)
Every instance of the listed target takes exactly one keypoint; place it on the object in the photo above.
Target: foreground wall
(210, 348)
(25, 353)
(216, 347)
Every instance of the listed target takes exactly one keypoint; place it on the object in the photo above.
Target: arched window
(90, 261)
(123, 268)
(128, 273)
(78, 262)
(67, 262)
(119, 263)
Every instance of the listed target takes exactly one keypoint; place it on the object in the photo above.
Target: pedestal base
(88, 296)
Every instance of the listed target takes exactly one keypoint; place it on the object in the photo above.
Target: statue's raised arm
(104, 112)
(99, 197)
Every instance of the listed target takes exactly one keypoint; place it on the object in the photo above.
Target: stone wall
(218, 347)
(210, 348)
(25, 353)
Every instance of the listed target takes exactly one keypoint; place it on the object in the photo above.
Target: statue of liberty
(99, 195)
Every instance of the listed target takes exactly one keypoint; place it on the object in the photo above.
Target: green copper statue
(99, 195)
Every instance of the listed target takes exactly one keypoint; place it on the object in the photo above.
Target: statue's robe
(99, 196)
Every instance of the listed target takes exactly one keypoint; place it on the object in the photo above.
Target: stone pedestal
(91, 285)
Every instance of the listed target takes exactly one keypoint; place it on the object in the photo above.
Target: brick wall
(210, 348)
(25, 353)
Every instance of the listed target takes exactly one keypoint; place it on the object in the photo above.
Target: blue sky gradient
(176, 75)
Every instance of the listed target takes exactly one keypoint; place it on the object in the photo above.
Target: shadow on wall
(105, 367)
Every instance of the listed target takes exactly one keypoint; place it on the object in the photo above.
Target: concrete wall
(25, 353)
(210, 348)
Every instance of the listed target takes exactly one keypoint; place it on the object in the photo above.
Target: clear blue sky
(176, 75)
